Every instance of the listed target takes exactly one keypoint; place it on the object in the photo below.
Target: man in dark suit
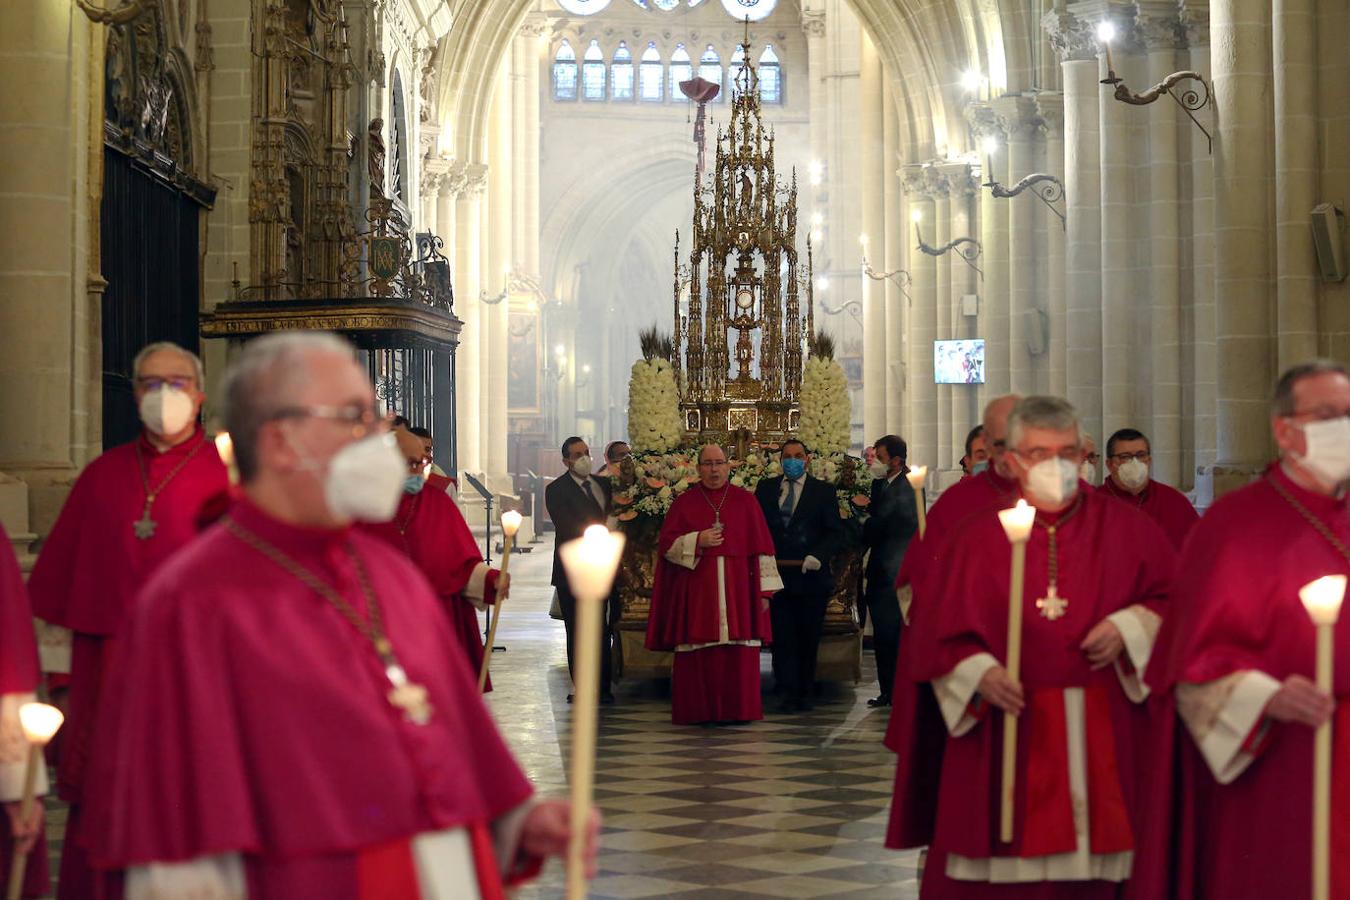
(891, 521)
(576, 500)
(803, 517)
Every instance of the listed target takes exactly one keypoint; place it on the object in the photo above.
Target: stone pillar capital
(956, 179)
(475, 180)
(1195, 20)
(1018, 116)
(534, 26)
(1070, 37)
(813, 23)
(916, 181)
(1159, 26)
(1050, 108)
(983, 120)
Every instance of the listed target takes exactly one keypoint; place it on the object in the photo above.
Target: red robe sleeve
(18, 647)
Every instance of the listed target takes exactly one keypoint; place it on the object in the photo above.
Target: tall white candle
(1322, 599)
(1017, 523)
(511, 520)
(590, 563)
(40, 723)
(917, 475)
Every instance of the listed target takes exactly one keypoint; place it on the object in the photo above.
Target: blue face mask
(794, 468)
(979, 467)
(413, 484)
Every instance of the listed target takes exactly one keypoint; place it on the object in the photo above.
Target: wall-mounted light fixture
(899, 277)
(1190, 100)
(1045, 187)
(967, 248)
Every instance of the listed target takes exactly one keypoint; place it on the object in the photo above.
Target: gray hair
(1282, 404)
(260, 381)
(1050, 413)
(150, 349)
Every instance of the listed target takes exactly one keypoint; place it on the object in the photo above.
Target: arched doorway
(150, 220)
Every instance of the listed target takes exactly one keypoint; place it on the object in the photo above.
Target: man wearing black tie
(803, 517)
(576, 500)
(891, 522)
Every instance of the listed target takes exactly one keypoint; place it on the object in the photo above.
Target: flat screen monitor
(958, 362)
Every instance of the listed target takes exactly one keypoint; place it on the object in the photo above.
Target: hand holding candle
(1322, 599)
(511, 520)
(1017, 523)
(590, 562)
(917, 476)
(40, 723)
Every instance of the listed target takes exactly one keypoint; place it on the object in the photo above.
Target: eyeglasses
(177, 382)
(714, 462)
(1321, 414)
(1041, 454)
(361, 419)
(418, 466)
(1142, 456)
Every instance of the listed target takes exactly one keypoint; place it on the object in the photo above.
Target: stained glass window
(754, 9)
(593, 73)
(666, 5)
(565, 73)
(651, 75)
(583, 7)
(681, 69)
(770, 77)
(621, 74)
(710, 69)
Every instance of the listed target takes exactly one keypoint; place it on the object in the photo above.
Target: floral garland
(648, 482)
(654, 422)
(826, 411)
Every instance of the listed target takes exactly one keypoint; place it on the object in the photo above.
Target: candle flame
(40, 722)
(1322, 598)
(225, 447)
(591, 561)
(511, 520)
(1017, 521)
(917, 475)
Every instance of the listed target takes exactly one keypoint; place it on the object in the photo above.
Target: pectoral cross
(408, 697)
(144, 527)
(1052, 606)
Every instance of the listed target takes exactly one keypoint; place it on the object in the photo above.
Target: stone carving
(375, 159)
(1070, 37)
(1157, 32)
(813, 23)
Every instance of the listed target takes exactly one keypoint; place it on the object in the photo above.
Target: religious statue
(375, 162)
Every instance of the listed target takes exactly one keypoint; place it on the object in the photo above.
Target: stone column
(1294, 39)
(923, 323)
(994, 298)
(468, 284)
(1072, 38)
(897, 235)
(1020, 123)
(942, 234)
(967, 402)
(1050, 108)
(501, 262)
(1240, 31)
(871, 145)
(1162, 35)
(1203, 362)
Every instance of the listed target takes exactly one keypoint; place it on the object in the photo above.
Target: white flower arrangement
(826, 413)
(654, 422)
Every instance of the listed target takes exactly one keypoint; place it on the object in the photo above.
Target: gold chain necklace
(144, 527)
(406, 696)
(1053, 606)
(1318, 525)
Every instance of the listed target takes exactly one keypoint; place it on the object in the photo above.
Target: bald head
(996, 414)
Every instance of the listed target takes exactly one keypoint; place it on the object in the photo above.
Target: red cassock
(18, 675)
(1163, 504)
(1077, 736)
(89, 570)
(916, 732)
(1239, 793)
(250, 717)
(711, 607)
(431, 530)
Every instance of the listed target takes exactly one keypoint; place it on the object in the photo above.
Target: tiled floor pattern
(793, 806)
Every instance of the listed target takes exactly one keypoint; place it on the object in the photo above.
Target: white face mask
(1328, 453)
(364, 481)
(1087, 471)
(166, 411)
(581, 466)
(1133, 474)
(878, 469)
(1052, 482)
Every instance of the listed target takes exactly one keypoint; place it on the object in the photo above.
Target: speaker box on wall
(1328, 226)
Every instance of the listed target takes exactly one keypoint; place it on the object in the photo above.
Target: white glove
(810, 564)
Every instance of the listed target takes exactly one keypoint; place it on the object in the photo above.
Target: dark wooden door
(150, 258)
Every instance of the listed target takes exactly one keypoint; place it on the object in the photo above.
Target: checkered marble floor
(793, 806)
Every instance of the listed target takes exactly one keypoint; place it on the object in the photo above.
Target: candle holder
(901, 278)
(852, 307)
(514, 282)
(967, 248)
(1190, 100)
(1044, 187)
